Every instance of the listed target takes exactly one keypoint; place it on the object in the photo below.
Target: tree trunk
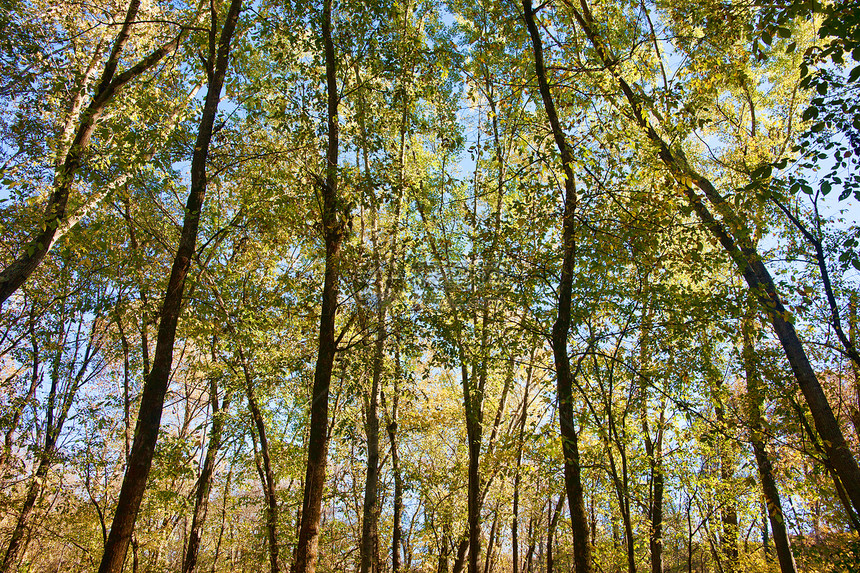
(35, 381)
(488, 558)
(391, 427)
(60, 398)
(155, 386)
(728, 546)
(561, 328)
(371, 482)
(471, 404)
(204, 482)
(755, 399)
(268, 474)
(460, 558)
(515, 544)
(550, 533)
(333, 229)
(17, 542)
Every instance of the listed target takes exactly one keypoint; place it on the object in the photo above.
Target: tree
(14, 274)
(152, 402)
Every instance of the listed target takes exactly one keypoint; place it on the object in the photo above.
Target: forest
(429, 286)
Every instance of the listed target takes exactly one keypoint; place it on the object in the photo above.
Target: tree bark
(370, 506)
(333, 231)
(561, 328)
(550, 532)
(523, 417)
(155, 385)
(755, 399)
(35, 381)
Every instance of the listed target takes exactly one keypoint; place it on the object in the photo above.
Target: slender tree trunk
(442, 566)
(655, 540)
(653, 446)
(755, 399)
(391, 427)
(561, 328)
(204, 482)
(17, 542)
(854, 408)
(471, 403)
(550, 533)
(515, 544)
(460, 558)
(728, 546)
(371, 482)
(333, 229)
(35, 381)
(155, 386)
(488, 558)
(268, 474)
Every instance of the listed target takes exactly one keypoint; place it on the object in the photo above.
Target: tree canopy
(429, 286)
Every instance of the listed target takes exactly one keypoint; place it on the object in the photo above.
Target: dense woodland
(430, 286)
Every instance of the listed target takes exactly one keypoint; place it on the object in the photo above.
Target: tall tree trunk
(17, 272)
(728, 541)
(755, 399)
(391, 427)
(550, 532)
(488, 558)
(471, 404)
(268, 474)
(17, 542)
(204, 482)
(155, 386)
(734, 235)
(333, 230)
(371, 482)
(383, 287)
(854, 408)
(655, 510)
(515, 544)
(561, 328)
(462, 550)
(653, 446)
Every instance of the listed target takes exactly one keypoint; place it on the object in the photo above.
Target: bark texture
(204, 482)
